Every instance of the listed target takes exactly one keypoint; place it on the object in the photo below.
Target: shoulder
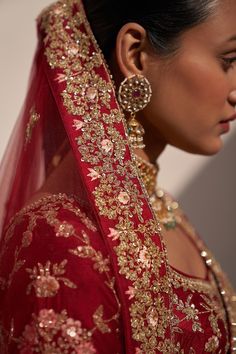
(50, 218)
(52, 232)
(54, 259)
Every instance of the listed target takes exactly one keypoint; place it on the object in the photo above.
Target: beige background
(205, 186)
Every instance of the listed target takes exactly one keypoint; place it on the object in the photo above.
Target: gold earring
(134, 94)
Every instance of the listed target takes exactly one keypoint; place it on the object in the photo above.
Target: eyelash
(228, 62)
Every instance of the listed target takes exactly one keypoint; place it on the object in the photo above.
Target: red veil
(72, 99)
(71, 108)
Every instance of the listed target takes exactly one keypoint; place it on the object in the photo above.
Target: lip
(230, 119)
(225, 126)
(225, 123)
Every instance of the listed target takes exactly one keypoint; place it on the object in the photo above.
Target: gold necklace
(166, 209)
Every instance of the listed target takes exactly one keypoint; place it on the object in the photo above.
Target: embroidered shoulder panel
(57, 263)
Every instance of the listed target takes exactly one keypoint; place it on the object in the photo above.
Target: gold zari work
(52, 332)
(49, 329)
(100, 144)
(46, 279)
(34, 118)
(217, 285)
(72, 50)
(157, 312)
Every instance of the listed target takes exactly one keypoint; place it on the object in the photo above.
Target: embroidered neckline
(73, 199)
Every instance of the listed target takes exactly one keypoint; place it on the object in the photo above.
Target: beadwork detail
(53, 332)
(34, 118)
(134, 93)
(46, 279)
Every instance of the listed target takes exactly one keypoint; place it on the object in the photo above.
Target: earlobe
(130, 44)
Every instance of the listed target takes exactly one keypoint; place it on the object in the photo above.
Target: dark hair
(164, 20)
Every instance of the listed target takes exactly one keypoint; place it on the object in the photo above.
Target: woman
(94, 257)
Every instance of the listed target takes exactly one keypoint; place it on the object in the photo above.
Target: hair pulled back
(164, 20)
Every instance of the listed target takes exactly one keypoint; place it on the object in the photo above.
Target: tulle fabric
(27, 161)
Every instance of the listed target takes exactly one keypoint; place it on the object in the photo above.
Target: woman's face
(194, 91)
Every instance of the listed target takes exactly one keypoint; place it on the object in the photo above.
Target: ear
(132, 49)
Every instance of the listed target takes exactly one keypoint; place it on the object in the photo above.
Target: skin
(193, 89)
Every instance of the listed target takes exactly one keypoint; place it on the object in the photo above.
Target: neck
(148, 173)
(154, 142)
(152, 151)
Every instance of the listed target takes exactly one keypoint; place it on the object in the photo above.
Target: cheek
(200, 85)
(190, 91)
(188, 102)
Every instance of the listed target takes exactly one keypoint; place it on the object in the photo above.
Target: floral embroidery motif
(64, 229)
(212, 345)
(113, 199)
(140, 259)
(46, 279)
(78, 124)
(107, 145)
(138, 351)
(93, 174)
(216, 312)
(100, 322)
(27, 238)
(209, 306)
(34, 118)
(100, 264)
(144, 257)
(18, 263)
(52, 332)
(130, 292)
(114, 234)
(116, 191)
(124, 198)
(168, 347)
(190, 312)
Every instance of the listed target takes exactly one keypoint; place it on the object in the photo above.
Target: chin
(208, 148)
(205, 148)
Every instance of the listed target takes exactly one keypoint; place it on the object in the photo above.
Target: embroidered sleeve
(56, 284)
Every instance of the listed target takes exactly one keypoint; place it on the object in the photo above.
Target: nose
(232, 98)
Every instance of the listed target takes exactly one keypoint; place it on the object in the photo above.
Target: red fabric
(36, 236)
(66, 285)
(88, 275)
(48, 134)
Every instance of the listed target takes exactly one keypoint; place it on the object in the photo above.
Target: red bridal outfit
(86, 272)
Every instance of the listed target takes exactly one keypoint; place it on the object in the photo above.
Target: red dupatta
(71, 84)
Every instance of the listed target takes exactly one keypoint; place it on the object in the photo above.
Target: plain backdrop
(205, 186)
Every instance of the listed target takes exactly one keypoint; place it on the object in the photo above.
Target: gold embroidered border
(88, 96)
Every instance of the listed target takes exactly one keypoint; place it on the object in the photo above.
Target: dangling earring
(134, 94)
